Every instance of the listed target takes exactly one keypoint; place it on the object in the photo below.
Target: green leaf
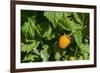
(28, 29)
(30, 58)
(76, 17)
(47, 32)
(28, 47)
(86, 56)
(35, 49)
(61, 25)
(53, 17)
(78, 37)
(67, 14)
(51, 36)
(40, 32)
(43, 29)
(84, 48)
(45, 46)
(57, 56)
(70, 25)
(44, 53)
(80, 58)
(58, 53)
(37, 29)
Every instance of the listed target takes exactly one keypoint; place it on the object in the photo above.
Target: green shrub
(41, 30)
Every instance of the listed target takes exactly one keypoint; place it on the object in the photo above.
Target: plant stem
(76, 51)
(70, 34)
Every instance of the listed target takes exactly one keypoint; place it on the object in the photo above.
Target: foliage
(41, 30)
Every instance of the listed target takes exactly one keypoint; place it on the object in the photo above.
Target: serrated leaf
(28, 47)
(44, 29)
(44, 53)
(57, 56)
(37, 29)
(70, 25)
(28, 29)
(35, 49)
(76, 17)
(30, 58)
(51, 36)
(58, 53)
(47, 32)
(62, 26)
(84, 48)
(45, 46)
(53, 17)
(86, 56)
(78, 37)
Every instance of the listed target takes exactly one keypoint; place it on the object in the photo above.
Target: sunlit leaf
(71, 25)
(35, 50)
(30, 58)
(44, 53)
(48, 32)
(28, 47)
(84, 48)
(28, 28)
(57, 56)
(76, 17)
(86, 56)
(53, 17)
(40, 32)
(78, 37)
(58, 53)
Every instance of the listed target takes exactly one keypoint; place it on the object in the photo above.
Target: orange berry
(64, 41)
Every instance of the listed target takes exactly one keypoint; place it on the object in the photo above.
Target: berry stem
(71, 34)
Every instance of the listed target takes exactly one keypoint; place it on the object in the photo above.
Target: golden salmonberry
(64, 41)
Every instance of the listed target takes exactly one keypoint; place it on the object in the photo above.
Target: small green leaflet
(76, 17)
(57, 56)
(30, 57)
(58, 53)
(86, 56)
(62, 26)
(28, 47)
(35, 49)
(48, 32)
(53, 17)
(80, 58)
(44, 53)
(84, 48)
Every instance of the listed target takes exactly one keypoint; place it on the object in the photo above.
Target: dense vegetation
(41, 30)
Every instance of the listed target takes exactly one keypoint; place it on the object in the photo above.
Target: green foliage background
(40, 32)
